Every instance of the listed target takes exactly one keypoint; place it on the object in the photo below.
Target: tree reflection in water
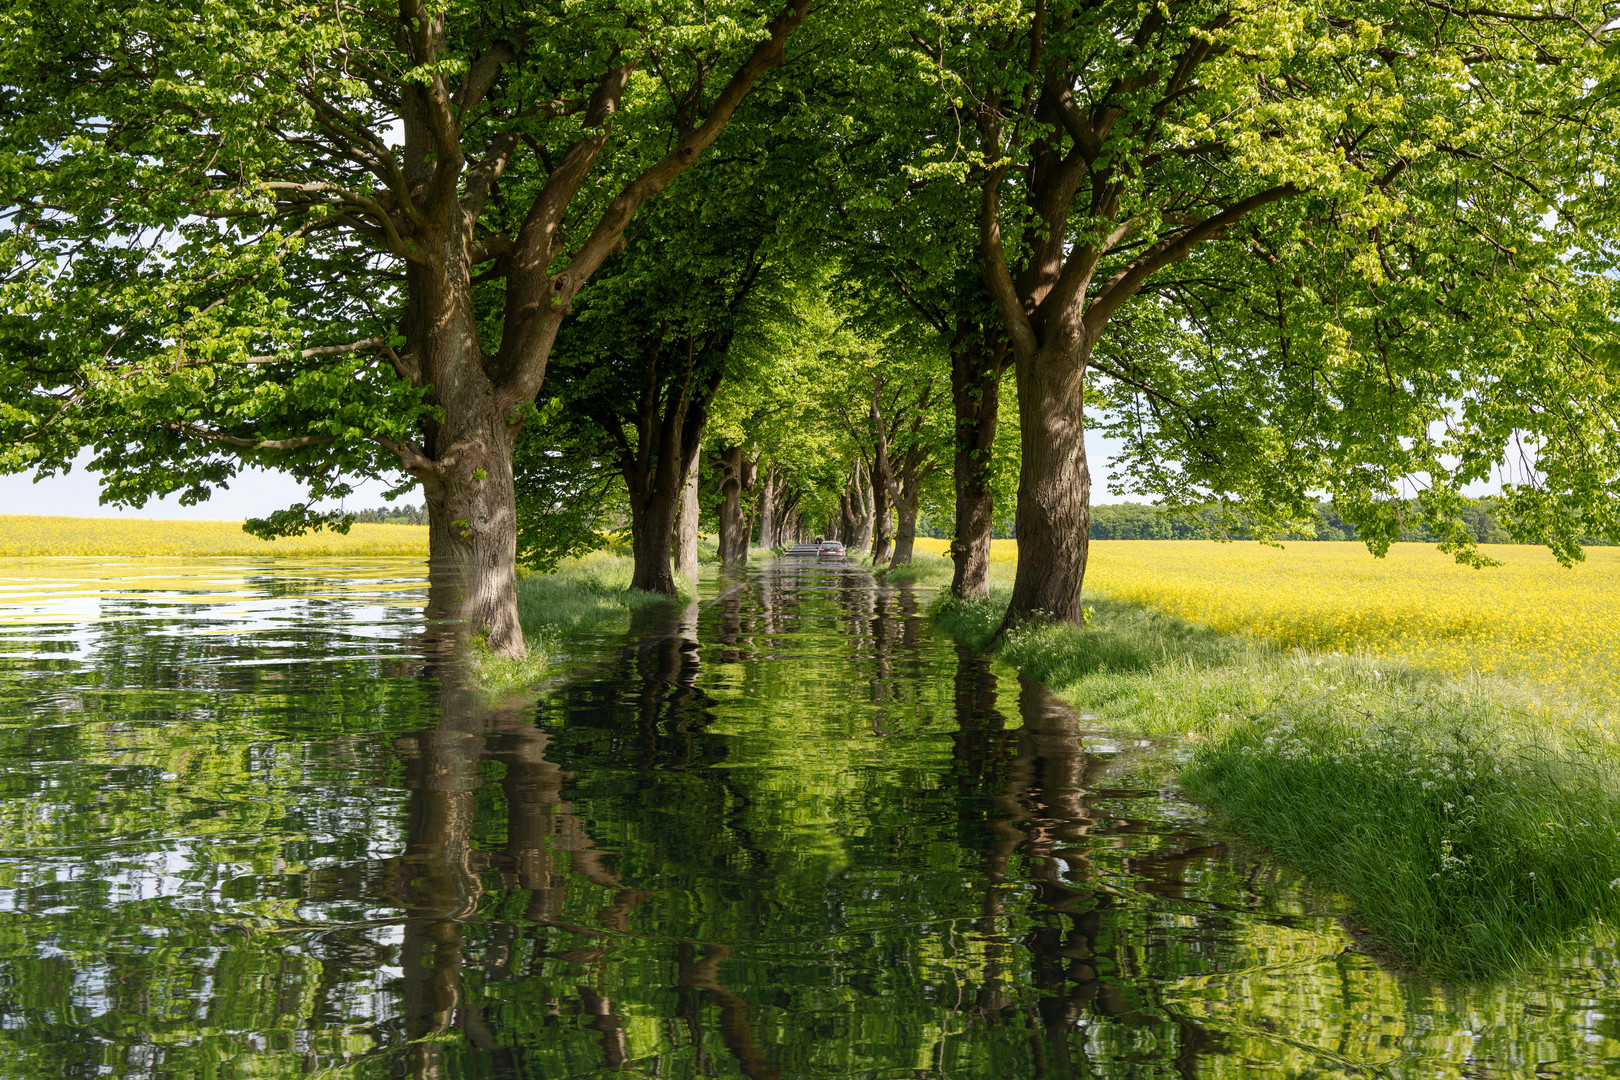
(793, 833)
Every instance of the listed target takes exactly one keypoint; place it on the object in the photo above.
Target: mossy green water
(256, 826)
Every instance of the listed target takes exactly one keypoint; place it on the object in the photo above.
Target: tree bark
(733, 528)
(652, 539)
(906, 494)
(864, 505)
(686, 522)
(882, 478)
(472, 527)
(905, 536)
(767, 509)
(656, 481)
(881, 526)
(750, 477)
(1054, 490)
(976, 397)
(902, 485)
(660, 463)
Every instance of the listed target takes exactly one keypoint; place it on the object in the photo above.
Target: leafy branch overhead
(219, 218)
(1359, 249)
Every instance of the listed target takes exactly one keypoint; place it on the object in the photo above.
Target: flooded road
(248, 830)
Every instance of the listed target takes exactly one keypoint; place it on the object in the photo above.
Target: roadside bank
(1472, 822)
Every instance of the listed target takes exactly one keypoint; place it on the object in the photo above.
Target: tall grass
(1473, 826)
(923, 569)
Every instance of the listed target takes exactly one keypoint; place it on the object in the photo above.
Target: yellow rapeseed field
(1529, 618)
(33, 536)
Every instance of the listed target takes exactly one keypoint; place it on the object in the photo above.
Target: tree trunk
(733, 534)
(905, 536)
(881, 528)
(1054, 489)
(767, 510)
(865, 509)
(652, 538)
(976, 398)
(472, 528)
(907, 497)
(686, 521)
(657, 487)
(750, 476)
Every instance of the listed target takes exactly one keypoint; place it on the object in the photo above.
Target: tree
(907, 240)
(705, 281)
(909, 438)
(769, 426)
(243, 239)
(1303, 247)
(644, 358)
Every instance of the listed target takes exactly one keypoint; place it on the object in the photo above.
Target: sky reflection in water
(248, 831)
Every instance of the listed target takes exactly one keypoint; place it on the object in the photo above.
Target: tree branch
(322, 350)
(1173, 248)
(997, 277)
(211, 435)
(481, 76)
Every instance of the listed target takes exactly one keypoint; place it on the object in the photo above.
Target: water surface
(251, 830)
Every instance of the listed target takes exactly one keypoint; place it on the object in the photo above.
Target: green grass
(922, 570)
(1474, 827)
(588, 596)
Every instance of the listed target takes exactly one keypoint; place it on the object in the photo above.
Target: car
(819, 549)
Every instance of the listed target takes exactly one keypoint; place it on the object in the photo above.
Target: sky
(256, 492)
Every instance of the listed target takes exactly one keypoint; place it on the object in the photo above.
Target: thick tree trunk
(882, 531)
(733, 528)
(976, 397)
(686, 521)
(656, 490)
(905, 537)
(472, 528)
(865, 514)
(1054, 490)
(652, 539)
(767, 510)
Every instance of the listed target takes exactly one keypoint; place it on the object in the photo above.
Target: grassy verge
(921, 570)
(1473, 826)
(585, 597)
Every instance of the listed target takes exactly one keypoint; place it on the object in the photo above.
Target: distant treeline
(1137, 521)
(392, 515)
(1140, 521)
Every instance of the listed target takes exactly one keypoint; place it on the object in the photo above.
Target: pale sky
(257, 492)
(254, 493)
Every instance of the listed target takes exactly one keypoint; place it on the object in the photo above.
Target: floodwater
(248, 829)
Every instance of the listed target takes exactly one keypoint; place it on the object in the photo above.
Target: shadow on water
(793, 833)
